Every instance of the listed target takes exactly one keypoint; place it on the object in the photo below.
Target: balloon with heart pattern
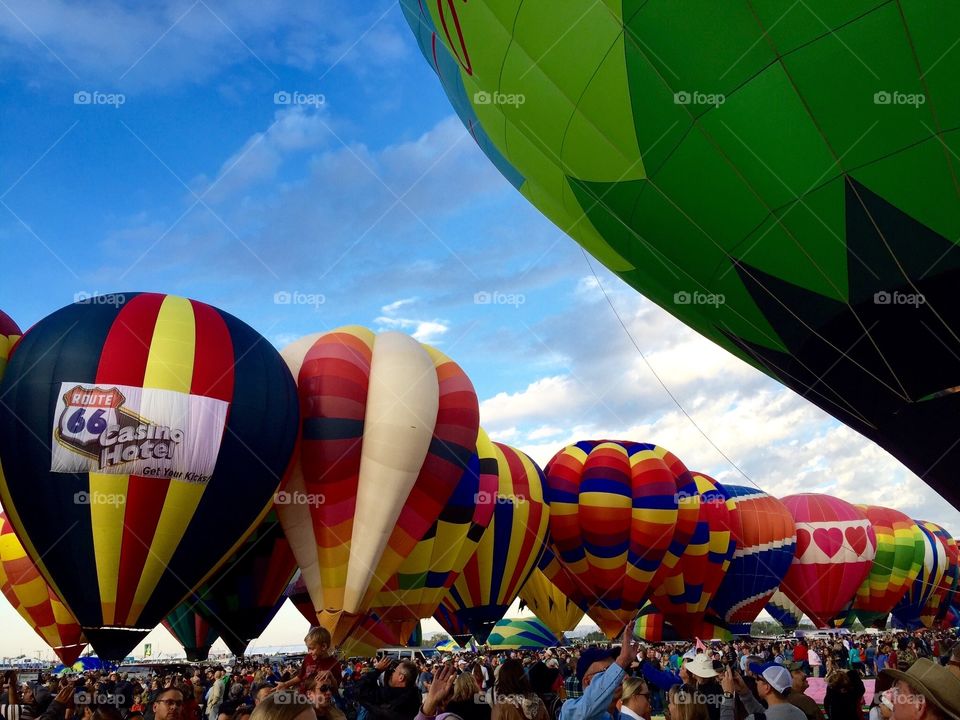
(836, 546)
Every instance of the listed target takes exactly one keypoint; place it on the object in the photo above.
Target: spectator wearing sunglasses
(635, 700)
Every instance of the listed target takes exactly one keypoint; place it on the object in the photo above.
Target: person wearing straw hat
(925, 691)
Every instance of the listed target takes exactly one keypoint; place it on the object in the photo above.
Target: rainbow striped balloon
(766, 541)
(614, 513)
(900, 550)
(174, 424)
(909, 610)
(31, 596)
(509, 548)
(683, 595)
(388, 432)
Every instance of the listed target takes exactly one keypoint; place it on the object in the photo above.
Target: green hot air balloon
(782, 178)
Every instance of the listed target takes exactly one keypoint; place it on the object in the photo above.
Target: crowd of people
(914, 675)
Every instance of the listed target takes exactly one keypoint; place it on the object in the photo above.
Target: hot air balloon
(241, 599)
(9, 334)
(509, 548)
(547, 602)
(31, 596)
(452, 624)
(389, 428)
(818, 252)
(835, 549)
(784, 611)
(651, 626)
(173, 424)
(765, 547)
(900, 549)
(614, 508)
(191, 630)
(684, 594)
(910, 608)
(427, 574)
(942, 597)
(521, 634)
(300, 598)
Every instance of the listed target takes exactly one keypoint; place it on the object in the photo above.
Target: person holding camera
(390, 691)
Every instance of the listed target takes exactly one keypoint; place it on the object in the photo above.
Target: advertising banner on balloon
(127, 430)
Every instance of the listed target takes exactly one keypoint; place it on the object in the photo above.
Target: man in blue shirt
(601, 674)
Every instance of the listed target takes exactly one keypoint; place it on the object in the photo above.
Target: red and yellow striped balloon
(38, 604)
(614, 509)
(428, 573)
(388, 429)
(509, 548)
(684, 595)
(126, 548)
(549, 603)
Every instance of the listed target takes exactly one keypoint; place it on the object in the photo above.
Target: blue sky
(362, 201)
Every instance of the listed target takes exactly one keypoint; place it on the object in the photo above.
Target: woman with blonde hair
(682, 704)
(284, 705)
(467, 700)
(634, 702)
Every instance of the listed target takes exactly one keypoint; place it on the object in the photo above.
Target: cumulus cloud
(176, 42)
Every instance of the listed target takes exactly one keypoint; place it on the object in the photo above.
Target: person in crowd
(467, 700)
(215, 695)
(601, 676)
(798, 696)
(953, 661)
(685, 705)
(925, 691)
(424, 677)
(318, 659)
(513, 697)
(284, 706)
(773, 687)
(634, 700)
(840, 700)
(390, 691)
(321, 694)
(882, 706)
(168, 704)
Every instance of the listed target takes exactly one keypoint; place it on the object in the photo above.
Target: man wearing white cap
(773, 685)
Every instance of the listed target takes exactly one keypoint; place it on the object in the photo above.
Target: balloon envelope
(766, 541)
(191, 630)
(784, 611)
(384, 468)
(241, 599)
(908, 612)
(826, 261)
(521, 634)
(614, 509)
(942, 597)
(900, 550)
(174, 423)
(835, 549)
(31, 596)
(684, 595)
(9, 334)
(510, 546)
(548, 602)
